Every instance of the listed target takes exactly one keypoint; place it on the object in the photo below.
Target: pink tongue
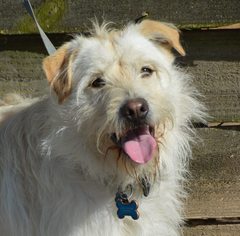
(139, 145)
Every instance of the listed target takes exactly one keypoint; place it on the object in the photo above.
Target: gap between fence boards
(191, 222)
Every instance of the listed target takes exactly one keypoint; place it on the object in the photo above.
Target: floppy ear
(58, 70)
(162, 33)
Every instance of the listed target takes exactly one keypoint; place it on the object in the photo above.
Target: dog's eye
(98, 83)
(146, 71)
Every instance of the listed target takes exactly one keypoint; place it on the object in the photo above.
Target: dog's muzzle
(138, 140)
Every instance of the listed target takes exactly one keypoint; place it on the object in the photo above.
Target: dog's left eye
(146, 71)
(98, 83)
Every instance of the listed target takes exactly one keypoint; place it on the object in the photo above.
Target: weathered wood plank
(71, 16)
(20, 66)
(213, 58)
(213, 230)
(34, 88)
(218, 81)
(216, 72)
(215, 184)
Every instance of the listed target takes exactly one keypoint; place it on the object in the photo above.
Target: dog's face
(118, 89)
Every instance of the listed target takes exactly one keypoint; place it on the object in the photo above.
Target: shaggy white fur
(60, 169)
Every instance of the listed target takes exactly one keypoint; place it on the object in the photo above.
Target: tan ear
(162, 33)
(58, 71)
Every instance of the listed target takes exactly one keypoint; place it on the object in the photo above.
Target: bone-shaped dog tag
(126, 208)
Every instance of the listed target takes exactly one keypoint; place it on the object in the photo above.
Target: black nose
(135, 109)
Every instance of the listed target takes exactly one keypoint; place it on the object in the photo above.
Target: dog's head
(120, 88)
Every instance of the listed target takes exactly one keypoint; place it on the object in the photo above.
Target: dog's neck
(143, 186)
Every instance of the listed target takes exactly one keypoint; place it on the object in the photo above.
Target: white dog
(106, 153)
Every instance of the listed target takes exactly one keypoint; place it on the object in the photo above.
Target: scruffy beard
(110, 149)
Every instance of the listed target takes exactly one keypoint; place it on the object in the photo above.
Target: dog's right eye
(146, 71)
(98, 83)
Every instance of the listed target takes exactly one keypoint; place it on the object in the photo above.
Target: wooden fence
(213, 57)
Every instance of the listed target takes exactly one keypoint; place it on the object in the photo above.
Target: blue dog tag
(126, 208)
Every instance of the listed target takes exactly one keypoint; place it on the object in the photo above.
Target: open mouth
(138, 143)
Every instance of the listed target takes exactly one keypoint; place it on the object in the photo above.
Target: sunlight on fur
(118, 114)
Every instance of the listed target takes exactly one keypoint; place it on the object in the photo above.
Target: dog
(106, 152)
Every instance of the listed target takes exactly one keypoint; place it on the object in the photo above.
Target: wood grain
(216, 72)
(215, 184)
(34, 88)
(218, 81)
(213, 230)
(73, 16)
